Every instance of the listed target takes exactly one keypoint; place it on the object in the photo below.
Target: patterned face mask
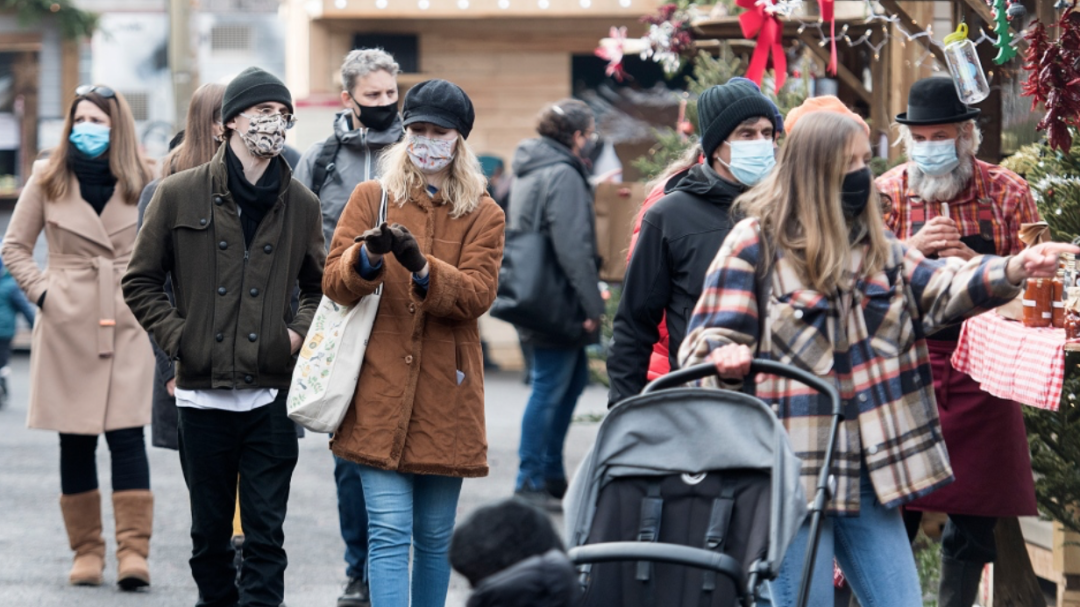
(265, 137)
(431, 155)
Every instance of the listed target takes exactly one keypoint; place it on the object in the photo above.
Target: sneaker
(556, 487)
(539, 498)
(355, 594)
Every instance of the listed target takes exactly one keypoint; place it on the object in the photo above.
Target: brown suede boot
(134, 512)
(82, 518)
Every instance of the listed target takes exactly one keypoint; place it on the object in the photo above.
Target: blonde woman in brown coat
(90, 365)
(416, 426)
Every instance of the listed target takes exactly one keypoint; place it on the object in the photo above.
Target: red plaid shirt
(993, 206)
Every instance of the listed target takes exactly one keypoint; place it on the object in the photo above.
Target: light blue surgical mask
(90, 138)
(751, 161)
(935, 158)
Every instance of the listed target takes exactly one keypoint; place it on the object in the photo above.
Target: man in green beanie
(235, 234)
(681, 234)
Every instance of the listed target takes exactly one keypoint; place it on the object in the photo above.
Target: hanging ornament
(1001, 27)
(759, 23)
(1016, 10)
(611, 50)
(965, 67)
(828, 15)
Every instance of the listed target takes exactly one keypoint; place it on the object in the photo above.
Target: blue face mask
(90, 138)
(935, 158)
(751, 161)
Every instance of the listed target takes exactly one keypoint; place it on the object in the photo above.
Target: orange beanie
(825, 103)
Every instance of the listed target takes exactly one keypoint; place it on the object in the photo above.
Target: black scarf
(254, 200)
(96, 181)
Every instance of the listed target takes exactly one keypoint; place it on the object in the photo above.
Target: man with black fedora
(947, 203)
(236, 235)
(681, 234)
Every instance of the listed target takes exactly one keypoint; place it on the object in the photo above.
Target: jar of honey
(1037, 309)
(1057, 300)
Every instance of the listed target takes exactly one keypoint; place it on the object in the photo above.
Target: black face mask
(856, 192)
(377, 117)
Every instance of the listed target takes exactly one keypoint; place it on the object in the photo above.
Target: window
(230, 38)
(404, 48)
(140, 104)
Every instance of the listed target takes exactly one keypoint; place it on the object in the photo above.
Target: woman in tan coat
(90, 365)
(416, 426)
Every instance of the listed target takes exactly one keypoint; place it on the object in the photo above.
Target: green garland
(74, 22)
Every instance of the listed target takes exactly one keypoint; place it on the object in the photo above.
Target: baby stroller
(686, 483)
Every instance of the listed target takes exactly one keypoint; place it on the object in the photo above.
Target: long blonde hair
(799, 204)
(464, 188)
(125, 161)
(199, 145)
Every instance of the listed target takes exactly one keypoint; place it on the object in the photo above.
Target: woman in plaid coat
(849, 302)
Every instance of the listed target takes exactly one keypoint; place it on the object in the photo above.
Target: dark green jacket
(229, 326)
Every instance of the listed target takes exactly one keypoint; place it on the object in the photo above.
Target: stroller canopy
(691, 431)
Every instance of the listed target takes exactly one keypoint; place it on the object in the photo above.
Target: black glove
(379, 241)
(407, 250)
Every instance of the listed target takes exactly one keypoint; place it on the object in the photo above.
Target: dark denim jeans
(558, 378)
(261, 447)
(352, 515)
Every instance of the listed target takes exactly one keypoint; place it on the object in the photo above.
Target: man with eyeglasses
(236, 234)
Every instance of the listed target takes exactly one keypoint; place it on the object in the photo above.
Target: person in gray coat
(332, 169)
(552, 182)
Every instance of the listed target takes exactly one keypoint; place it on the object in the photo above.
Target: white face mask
(430, 155)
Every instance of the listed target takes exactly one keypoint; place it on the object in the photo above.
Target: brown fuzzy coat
(410, 414)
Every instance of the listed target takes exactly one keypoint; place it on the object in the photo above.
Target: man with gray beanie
(236, 235)
(681, 234)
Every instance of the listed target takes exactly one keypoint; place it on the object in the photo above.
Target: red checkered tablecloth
(1012, 361)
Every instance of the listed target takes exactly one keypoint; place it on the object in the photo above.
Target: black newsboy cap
(441, 103)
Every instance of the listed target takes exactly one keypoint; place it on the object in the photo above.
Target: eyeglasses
(86, 89)
(290, 119)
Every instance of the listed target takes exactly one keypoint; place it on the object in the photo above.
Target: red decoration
(828, 14)
(761, 24)
(1055, 78)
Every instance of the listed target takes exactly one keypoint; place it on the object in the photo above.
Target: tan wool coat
(411, 413)
(91, 366)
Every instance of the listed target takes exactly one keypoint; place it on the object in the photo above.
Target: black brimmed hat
(934, 101)
(441, 103)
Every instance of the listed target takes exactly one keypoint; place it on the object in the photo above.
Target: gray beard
(942, 188)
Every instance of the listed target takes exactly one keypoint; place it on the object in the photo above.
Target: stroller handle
(615, 552)
(689, 374)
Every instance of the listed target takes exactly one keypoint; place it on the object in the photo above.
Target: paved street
(34, 557)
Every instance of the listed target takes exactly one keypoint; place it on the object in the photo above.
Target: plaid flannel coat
(870, 341)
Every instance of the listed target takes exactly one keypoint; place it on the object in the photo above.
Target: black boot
(959, 583)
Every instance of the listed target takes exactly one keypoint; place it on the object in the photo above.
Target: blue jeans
(352, 515)
(409, 510)
(559, 377)
(872, 549)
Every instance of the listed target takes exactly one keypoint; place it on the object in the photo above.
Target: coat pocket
(800, 330)
(888, 322)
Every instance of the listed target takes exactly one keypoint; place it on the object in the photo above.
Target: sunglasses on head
(86, 89)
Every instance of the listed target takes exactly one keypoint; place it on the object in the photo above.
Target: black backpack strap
(324, 162)
(716, 533)
(652, 509)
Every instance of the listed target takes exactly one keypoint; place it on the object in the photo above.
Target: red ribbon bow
(828, 13)
(762, 25)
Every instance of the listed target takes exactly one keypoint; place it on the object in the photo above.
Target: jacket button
(202, 221)
(252, 337)
(408, 360)
(412, 308)
(222, 291)
(223, 245)
(862, 398)
(249, 379)
(254, 292)
(268, 249)
(220, 337)
(218, 201)
(872, 450)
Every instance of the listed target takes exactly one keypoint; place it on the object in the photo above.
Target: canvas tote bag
(328, 367)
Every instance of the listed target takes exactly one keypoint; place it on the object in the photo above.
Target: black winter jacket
(546, 173)
(546, 580)
(679, 238)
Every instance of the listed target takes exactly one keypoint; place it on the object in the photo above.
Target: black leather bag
(534, 293)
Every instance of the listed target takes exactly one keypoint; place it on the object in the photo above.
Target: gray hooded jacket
(357, 161)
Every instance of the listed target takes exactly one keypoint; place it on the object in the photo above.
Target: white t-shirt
(237, 401)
